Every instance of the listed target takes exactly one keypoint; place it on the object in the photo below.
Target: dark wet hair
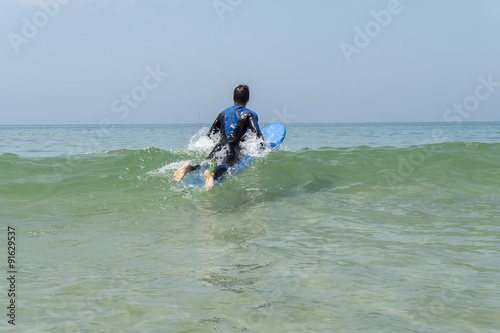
(241, 94)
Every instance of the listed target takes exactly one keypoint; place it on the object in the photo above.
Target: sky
(178, 61)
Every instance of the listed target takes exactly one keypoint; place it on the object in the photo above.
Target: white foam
(200, 142)
(165, 169)
(251, 146)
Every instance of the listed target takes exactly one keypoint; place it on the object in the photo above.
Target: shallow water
(358, 227)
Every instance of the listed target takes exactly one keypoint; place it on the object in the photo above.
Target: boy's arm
(253, 124)
(216, 126)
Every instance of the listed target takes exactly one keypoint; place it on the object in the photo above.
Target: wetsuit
(232, 124)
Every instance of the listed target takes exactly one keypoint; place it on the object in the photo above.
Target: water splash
(200, 142)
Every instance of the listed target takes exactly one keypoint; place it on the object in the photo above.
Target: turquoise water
(352, 227)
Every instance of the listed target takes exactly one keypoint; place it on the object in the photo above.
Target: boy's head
(241, 95)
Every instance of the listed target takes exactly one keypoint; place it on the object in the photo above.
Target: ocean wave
(466, 167)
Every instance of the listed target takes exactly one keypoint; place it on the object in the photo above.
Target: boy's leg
(187, 167)
(209, 176)
(219, 171)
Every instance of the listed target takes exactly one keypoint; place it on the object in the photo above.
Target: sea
(352, 227)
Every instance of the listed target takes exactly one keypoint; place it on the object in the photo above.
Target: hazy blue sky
(158, 61)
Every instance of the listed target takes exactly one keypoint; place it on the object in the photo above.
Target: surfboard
(274, 135)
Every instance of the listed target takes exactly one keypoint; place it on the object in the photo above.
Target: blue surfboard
(273, 137)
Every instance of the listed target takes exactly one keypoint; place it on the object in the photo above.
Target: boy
(232, 123)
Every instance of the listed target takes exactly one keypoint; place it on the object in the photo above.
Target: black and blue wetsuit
(232, 124)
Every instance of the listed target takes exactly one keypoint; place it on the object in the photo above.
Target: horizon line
(263, 122)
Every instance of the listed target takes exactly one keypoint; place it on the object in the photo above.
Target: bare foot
(209, 176)
(179, 174)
